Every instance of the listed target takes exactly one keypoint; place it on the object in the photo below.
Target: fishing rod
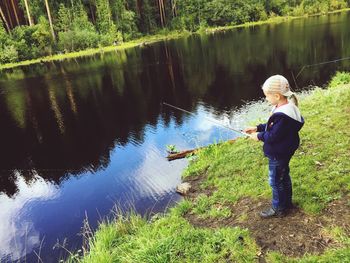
(208, 119)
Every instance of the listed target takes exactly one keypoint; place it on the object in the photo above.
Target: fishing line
(321, 63)
(208, 119)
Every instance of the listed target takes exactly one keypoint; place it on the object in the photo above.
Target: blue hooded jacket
(280, 133)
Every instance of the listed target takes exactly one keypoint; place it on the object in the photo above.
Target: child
(281, 139)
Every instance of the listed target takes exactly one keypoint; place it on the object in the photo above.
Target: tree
(15, 12)
(125, 19)
(147, 22)
(76, 32)
(173, 8)
(50, 20)
(105, 25)
(5, 21)
(8, 52)
(103, 20)
(161, 12)
(28, 13)
(7, 9)
(42, 36)
(65, 19)
(3, 35)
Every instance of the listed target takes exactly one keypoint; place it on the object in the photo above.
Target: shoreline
(150, 39)
(217, 221)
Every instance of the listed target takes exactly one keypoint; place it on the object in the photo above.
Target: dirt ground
(292, 235)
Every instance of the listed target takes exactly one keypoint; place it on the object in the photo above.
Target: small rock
(155, 217)
(183, 188)
(319, 163)
(240, 239)
(328, 240)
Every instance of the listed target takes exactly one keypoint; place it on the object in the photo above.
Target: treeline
(71, 25)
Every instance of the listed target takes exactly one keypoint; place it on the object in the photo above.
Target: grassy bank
(217, 222)
(271, 20)
(88, 52)
(151, 39)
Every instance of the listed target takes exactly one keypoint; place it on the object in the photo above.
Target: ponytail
(294, 99)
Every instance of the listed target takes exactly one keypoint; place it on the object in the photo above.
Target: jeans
(280, 182)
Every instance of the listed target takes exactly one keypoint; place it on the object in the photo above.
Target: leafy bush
(315, 6)
(74, 40)
(277, 7)
(33, 41)
(191, 14)
(110, 38)
(256, 12)
(177, 23)
(298, 11)
(77, 32)
(337, 4)
(220, 13)
(22, 40)
(322, 6)
(8, 54)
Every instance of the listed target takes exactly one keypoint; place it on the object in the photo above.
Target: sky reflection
(18, 235)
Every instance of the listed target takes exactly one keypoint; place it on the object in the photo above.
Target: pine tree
(50, 19)
(5, 21)
(29, 17)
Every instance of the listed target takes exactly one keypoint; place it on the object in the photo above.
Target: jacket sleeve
(277, 131)
(261, 127)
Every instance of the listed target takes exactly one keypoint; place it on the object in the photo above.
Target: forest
(33, 28)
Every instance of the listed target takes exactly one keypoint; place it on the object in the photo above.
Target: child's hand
(254, 136)
(250, 130)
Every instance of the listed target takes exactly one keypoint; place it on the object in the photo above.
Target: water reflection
(92, 131)
(18, 234)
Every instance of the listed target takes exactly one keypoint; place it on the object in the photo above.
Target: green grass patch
(168, 239)
(341, 78)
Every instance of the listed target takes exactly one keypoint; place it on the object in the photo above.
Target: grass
(168, 239)
(320, 172)
(162, 35)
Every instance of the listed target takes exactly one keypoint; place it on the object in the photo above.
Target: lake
(82, 135)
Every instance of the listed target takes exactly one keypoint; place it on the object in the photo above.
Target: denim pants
(280, 182)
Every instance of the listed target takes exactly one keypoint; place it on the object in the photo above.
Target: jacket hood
(290, 110)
